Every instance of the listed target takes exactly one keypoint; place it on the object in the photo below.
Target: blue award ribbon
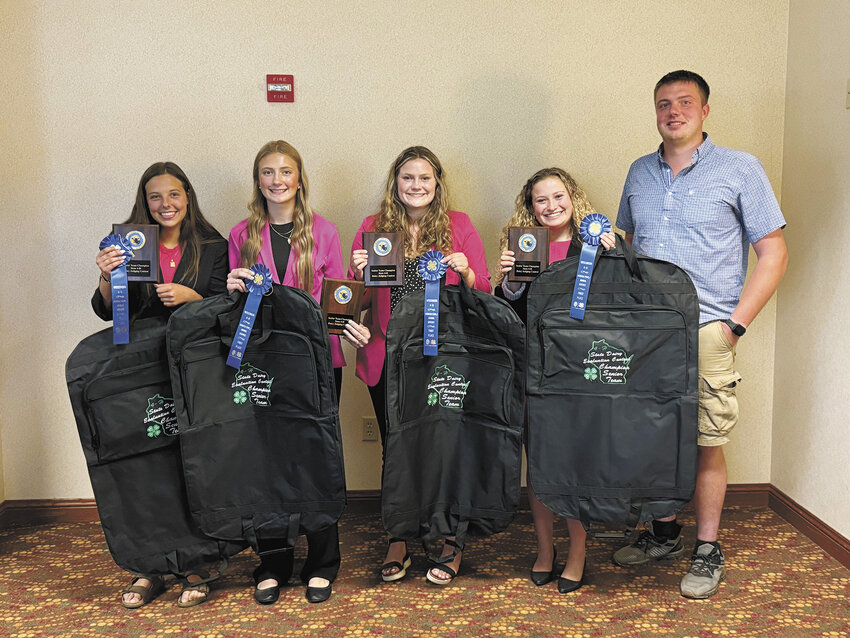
(431, 268)
(591, 230)
(118, 283)
(257, 286)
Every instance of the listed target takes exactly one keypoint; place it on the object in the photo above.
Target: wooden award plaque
(144, 238)
(385, 262)
(341, 300)
(531, 249)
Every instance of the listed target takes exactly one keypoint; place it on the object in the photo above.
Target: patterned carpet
(60, 580)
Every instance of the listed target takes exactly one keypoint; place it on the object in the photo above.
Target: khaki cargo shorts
(718, 404)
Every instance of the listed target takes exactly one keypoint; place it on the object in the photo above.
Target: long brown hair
(194, 229)
(301, 239)
(434, 227)
(524, 209)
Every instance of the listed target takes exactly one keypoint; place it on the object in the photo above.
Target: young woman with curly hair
(550, 198)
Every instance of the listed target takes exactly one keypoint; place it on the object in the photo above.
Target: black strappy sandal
(402, 566)
(443, 567)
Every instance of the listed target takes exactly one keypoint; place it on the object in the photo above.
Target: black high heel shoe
(565, 585)
(542, 578)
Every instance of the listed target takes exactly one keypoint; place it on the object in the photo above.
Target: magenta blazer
(376, 301)
(327, 262)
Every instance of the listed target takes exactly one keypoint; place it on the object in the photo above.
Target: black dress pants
(323, 558)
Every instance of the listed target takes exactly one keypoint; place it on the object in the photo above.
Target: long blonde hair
(434, 227)
(301, 239)
(524, 209)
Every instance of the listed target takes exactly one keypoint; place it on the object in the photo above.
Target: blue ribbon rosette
(118, 283)
(591, 230)
(257, 286)
(431, 268)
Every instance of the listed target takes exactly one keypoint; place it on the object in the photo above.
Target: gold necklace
(286, 236)
(170, 252)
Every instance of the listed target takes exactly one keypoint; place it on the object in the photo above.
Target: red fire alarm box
(280, 88)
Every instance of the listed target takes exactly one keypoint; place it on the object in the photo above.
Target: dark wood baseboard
(807, 523)
(363, 501)
(47, 510)
(748, 494)
(40, 511)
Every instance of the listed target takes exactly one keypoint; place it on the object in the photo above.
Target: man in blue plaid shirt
(701, 206)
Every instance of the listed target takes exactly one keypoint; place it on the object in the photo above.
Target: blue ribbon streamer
(118, 283)
(257, 286)
(431, 268)
(591, 230)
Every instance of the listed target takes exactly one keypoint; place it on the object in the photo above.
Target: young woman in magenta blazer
(415, 204)
(301, 249)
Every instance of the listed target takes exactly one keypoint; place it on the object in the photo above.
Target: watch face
(736, 328)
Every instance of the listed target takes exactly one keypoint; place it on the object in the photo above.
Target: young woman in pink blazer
(415, 204)
(301, 249)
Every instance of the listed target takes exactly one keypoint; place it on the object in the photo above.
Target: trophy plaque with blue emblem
(531, 251)
(385, 259)
(341, 300)
(144, 241)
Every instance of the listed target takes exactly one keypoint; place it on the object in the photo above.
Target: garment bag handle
(625, 249)
(228, 321)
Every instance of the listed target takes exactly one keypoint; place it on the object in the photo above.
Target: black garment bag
(454, 421)
(124, 408)
(612, 399)
(262, 448)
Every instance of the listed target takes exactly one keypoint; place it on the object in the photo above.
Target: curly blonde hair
(524, 210)
(301, 239)
(434, 227)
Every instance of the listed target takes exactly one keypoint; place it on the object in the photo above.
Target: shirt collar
(703, 150)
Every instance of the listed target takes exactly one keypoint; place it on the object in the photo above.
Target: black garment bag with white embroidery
(124, 408)
(612, 399)
(262, 448)
(454, 421)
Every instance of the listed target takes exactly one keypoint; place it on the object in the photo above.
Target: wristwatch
(736, 328)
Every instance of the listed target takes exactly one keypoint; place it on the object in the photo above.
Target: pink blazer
(327, 262)
(376, 301)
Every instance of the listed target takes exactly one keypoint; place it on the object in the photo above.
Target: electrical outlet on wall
(370, 428)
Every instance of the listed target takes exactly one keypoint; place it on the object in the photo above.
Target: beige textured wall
(811, 446)
(497, 90)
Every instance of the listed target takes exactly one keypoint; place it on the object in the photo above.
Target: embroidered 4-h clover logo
(153, 431)
(607, 363)
(447, 388)
(252, 385)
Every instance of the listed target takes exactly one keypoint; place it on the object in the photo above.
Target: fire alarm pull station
(280, 88)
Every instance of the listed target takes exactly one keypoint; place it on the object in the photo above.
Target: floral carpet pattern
(59, 580)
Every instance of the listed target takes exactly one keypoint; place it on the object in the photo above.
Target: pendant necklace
(285, 235)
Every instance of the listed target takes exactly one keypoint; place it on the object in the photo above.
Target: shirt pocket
(703, 207)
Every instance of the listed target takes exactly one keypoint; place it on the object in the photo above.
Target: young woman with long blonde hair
(300, 248)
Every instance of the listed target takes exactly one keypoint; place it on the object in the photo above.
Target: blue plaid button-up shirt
(703, 220)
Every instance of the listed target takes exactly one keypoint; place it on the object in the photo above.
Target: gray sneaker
(649, 547)
(707, 572)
